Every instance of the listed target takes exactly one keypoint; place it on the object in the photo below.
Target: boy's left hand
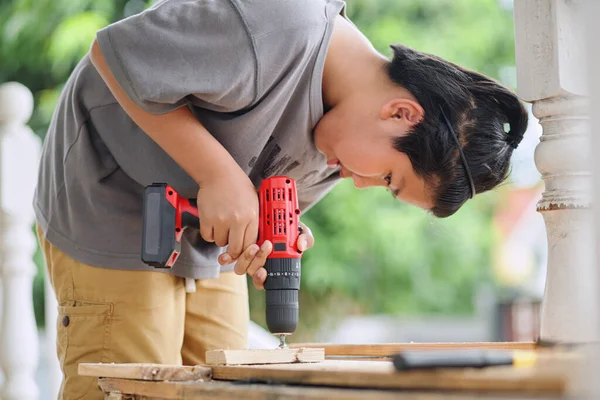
(253, 259)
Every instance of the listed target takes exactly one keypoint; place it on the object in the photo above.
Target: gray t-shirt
(251, 73)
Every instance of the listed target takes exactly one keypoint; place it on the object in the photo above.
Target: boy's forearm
(177, 132)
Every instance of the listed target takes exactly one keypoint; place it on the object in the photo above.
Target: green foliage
(65, 47)
(395, 258)
(477, 34)
(372, 254)
(42, 40)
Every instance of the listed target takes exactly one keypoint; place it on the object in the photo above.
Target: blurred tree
(42, 40)
(372, 254)
(477, 34)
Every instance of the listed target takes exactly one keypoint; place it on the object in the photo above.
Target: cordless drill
(166, 215)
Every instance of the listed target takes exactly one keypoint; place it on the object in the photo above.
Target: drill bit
(282, 344)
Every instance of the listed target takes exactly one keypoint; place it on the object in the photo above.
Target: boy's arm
(227, 200)
(178, 132)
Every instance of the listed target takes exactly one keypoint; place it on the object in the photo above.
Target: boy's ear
(403, 109)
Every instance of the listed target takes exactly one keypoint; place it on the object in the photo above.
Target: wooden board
(253, 391)
(381, 375)
(388, 349)
(264, 356)
(146, 372)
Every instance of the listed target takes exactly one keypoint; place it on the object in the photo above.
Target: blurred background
(380, 271)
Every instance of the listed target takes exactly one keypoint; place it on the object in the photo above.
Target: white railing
(19, 156)
(589, 371)
(551, 74)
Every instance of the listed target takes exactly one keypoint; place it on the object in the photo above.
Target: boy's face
(358, 139)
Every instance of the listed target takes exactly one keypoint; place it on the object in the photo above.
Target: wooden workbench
(373, 378)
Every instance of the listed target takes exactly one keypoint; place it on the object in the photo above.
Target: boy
(212, 97)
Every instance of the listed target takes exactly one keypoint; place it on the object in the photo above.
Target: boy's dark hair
(478, 109)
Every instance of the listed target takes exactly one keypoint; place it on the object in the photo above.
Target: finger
(241, 266)
(236, 240)
(225, 259)
(310, 240)
(302, 242)
(206, 231)
(306, 239)
(259, 278)
(221, 236)
(261, 258)
(251, 233)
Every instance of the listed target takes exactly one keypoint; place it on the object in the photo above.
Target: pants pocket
(83, 336)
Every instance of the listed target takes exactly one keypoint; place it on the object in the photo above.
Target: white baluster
(590, 367)
(19, 155)
(550, 55)
(593, 32)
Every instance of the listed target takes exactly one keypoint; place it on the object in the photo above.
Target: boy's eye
(388, 179)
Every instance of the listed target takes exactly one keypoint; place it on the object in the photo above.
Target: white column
(19, 154)
(551, 73)
(589, 370)
(593, 29)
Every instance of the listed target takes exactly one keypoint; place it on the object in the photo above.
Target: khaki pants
(138, 317)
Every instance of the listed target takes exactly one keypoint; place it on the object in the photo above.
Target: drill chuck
(281, 293)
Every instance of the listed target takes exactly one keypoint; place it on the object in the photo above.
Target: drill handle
(188, 209)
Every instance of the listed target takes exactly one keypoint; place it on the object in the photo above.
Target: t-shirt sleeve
(181, 48)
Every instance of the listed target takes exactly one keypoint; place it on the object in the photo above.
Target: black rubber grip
(189, 220)
(281, 294)
(282, 311)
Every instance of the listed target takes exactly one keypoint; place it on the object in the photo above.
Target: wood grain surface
(381, 375)
(253, 391)
(388, 349)
(146, 372)
(267, 356)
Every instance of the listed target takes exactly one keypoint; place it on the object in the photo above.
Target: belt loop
(190, 285)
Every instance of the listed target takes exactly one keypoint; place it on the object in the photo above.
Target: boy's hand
(228, 212)
(253, 259)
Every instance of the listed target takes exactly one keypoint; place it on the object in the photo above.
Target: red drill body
(279, 216)
(166, 215)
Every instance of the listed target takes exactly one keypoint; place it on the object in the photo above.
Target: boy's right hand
(228, 210)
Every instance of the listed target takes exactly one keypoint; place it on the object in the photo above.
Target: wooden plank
(389, 349)
(254, 391)
(146, 372)
(264, 356)
(381, 375)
